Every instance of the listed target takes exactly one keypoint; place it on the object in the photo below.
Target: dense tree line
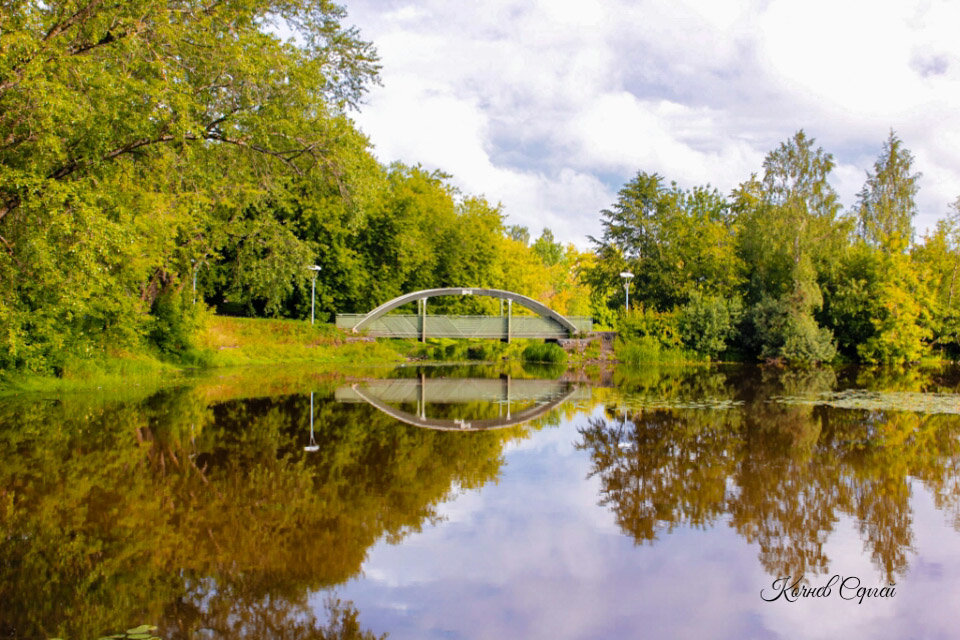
(778, 270)
(146, 145)
(149, 143)
(410, 230)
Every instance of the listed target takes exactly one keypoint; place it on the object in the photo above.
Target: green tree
(549, 250)
(796, 185)
(937, 261)
(262, 250)
(123, 124)
(886, 205)
(519, 233)
(790, 233)
(707, 324)
(878, 306)
(676, 243)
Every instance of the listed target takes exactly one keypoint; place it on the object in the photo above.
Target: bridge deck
(408, 326)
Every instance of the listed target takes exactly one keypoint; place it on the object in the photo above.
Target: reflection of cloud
(550, 106)
(534, 556)
(522, 561)
(922, 606)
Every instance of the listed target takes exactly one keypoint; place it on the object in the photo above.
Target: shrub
(173, 328)
(486, 351)
(545, 352)
(447, 349)
(649, 350)
(657, 325)
(787, 333)
(706, 323)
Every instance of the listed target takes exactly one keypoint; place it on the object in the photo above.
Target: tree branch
(283, 156)
(10, 250)
(287, 156)
(107, 39)
(80, 15)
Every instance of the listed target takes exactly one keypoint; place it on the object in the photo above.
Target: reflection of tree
(660, 469)
(225, 614)
(108, 514)
(671, 382)
(787, 498)
(781, 474)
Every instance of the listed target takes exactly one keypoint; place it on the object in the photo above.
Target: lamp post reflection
(313, 446)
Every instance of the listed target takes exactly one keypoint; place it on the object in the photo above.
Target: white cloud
(549, 106)
(663, 136)
(848, 56)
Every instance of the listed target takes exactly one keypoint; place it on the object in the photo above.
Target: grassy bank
(112, 369)
(227, 342)
(221, 342)
(232, 342)
(481, 350)
(646, 350)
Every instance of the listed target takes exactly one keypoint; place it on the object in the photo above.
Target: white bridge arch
(558, 325)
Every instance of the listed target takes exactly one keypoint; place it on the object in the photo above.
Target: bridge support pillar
(422, 312)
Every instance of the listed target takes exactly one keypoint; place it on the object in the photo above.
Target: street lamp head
(314, 268)
(626, 275)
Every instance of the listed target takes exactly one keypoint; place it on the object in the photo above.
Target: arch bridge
(546, 324)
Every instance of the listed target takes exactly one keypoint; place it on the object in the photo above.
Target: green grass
(109, 370)
(226, 342)
(232, 342)
(648, 350)
(546, 352)
(221, 342)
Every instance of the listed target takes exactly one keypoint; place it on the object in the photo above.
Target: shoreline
(231, 343)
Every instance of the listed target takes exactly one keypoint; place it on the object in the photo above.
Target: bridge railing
(408, 326)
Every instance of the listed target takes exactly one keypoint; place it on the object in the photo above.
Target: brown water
(713, 502)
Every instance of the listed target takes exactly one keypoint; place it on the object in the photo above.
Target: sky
(549, 106)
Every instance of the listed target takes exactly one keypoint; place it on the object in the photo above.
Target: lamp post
(627, 276)
(313, 294)
(196, 267)
(194, 280)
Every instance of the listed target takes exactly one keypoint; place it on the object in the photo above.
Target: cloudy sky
(549, 106)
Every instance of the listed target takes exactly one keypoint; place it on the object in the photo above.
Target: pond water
(460, 502)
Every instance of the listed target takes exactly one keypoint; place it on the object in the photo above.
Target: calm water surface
(457, 503)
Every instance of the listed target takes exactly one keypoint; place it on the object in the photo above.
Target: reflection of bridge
(547, 324)
(504, 392)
